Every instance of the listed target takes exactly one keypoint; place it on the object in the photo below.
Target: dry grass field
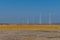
(29, 32)
(29, 27)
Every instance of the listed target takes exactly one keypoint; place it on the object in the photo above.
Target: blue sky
(16, 11)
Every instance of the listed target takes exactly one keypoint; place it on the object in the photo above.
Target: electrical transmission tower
(49, 18)
(40, 19)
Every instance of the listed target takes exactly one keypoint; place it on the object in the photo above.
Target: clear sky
(16, 11)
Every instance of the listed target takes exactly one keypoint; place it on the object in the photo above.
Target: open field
(29, 35)
(29, 27)
(29, 32)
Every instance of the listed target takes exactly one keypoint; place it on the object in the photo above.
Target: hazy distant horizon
(16, 11)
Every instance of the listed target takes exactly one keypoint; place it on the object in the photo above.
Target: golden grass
(29, 27)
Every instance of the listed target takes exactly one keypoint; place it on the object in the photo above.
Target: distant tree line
(4, 23)
(31, 24)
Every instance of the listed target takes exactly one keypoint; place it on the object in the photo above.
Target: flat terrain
(29, 32)
(29, 27)
(29, 35)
